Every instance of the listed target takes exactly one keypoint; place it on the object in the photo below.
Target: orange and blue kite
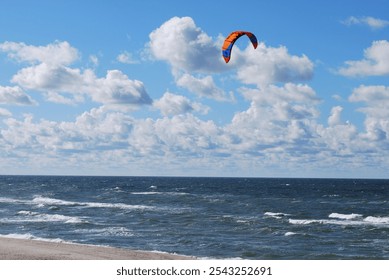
(230, 41)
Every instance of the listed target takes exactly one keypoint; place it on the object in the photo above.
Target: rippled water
(203, 217)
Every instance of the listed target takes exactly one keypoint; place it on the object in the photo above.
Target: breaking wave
(41, 200)
(345, 220)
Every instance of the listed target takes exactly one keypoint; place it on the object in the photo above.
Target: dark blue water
(204, 217)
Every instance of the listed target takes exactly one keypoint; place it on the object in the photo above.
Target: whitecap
(52, 201)
(116, 205)
(161, 193)
(289, 233)
(303, 222)
(345, 216)
(146, 193)
(29, 236)
(108, 231)
(278, 215)
(41, 200)
(39, 217)
(368, 221)
(377, 220)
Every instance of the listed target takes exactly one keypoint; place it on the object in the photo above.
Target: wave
(146, 193)
(290, 233)
(157, 193)
(39, 217)
(377, 220)
(52, 201)
(276, 215)
(109, 231)
(12, 200)
(345, 216)
(29, 236)
(41, 200)
(345, 220)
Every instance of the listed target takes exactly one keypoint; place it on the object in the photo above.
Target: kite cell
(230, 41)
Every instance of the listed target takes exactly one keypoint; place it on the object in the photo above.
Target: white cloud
(377, 95)
(5, 113)
(375, 62)
(172, 104)
(126, 58)
(57, 53)
(376, 100)
(186, 134)
(46, 77)
(266, 65)
(339, 140)
(203, 87)
(270, 135)
(373, 23)
(117, 88)
(277, 118)
(94, 130)
(60, 83)
(335, 117)
(185, 46)
(62, 99)
(14, 95)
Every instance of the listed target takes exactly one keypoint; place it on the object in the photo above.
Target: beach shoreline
(28, 249)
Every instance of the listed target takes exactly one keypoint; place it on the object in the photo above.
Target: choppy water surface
(204, 217)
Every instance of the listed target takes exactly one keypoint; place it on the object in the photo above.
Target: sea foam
(345, 216)
(276, 215)
(30, 216)
(40, 200)
(345, 220)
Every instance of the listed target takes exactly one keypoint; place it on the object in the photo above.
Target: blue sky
(140, 88)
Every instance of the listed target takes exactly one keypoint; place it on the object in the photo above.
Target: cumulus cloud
(117, 88)
(375, 62)
(277, 117)
(377, 95)
(376, 100)
(46, 77)
(373, 23)
(94, 130)
(185, 46)
(57, 53)
(171, 104)
(51, 74)
(334, 118)
(15, 95)
(187, 134)
(203, 87)
(267, 65)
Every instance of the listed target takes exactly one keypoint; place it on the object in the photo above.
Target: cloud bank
(277, 133)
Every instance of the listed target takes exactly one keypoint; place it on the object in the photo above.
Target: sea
(209, 218)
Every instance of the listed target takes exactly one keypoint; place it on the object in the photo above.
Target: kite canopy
(230, 41)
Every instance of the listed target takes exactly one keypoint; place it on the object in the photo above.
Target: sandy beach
(22, 249)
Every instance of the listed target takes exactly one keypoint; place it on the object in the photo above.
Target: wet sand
(22, 249)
